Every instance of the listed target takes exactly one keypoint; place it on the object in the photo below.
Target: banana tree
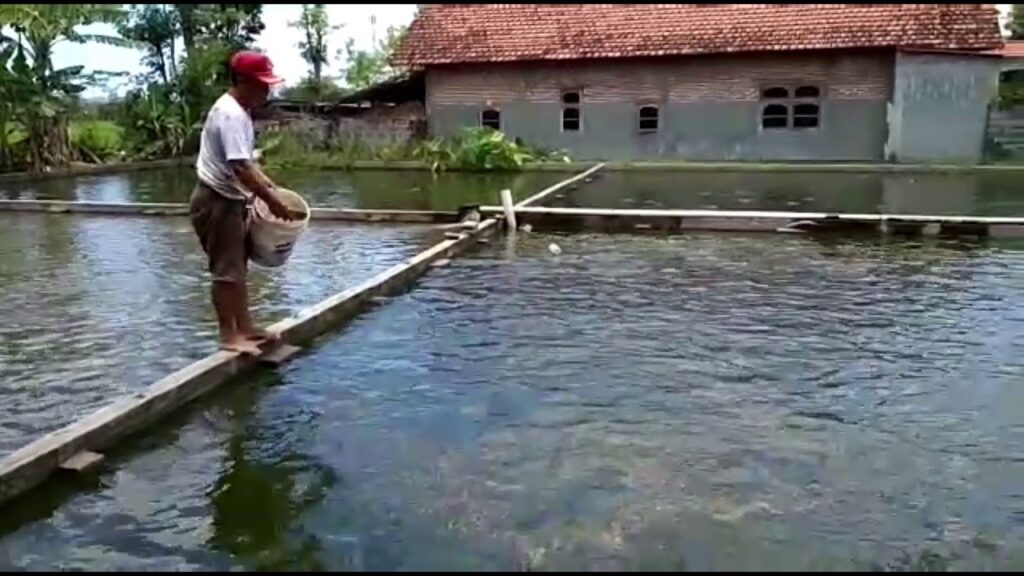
(43, 92)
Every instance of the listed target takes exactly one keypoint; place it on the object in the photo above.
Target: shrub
(97, 139)
(481, 149)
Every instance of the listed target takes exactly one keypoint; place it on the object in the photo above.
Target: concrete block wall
(382, 125)
(377, 126)
(709, 106)
(940, 107)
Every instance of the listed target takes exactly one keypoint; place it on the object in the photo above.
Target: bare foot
(261, 335)
(242, 345)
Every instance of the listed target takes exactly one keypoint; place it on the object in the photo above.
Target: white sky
(278, 40)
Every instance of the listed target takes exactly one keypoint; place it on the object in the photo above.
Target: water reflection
(268, 484)
(241, 478)
(983, 193)
(378, 189)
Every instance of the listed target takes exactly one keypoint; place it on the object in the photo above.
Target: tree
(44, 94)
(235, 25)
(315, 27)
(156, 27)
(1016, 24)
(368, 67)
(310, 90)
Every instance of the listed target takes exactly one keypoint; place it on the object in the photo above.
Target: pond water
(97, 306)
(984, 193)
(979, 194)
(371, 189)
(696, 402)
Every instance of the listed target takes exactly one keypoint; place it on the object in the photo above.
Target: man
(228, 180)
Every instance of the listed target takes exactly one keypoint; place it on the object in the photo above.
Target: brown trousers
(222, 227)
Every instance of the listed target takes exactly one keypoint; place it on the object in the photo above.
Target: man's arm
(236, 138)
(249, 174)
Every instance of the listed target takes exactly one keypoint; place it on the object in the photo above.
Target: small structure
(1006, 120)
(388, 113)
(825, 82)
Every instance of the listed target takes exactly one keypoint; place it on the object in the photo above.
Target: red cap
(254, 65)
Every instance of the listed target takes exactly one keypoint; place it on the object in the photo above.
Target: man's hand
(277, 208)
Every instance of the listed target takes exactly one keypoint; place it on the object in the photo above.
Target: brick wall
(842, 76)
(381, 125)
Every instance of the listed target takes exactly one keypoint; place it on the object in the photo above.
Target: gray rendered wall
(709, 106)
(940, 107)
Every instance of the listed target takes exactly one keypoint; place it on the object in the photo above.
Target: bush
(97, 139)
(475, 149)
(481, 149)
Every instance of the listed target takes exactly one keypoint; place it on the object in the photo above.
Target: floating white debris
(526, 228)
(554, 249)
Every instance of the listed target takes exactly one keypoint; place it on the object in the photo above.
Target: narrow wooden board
(279, 354)
(82, 462)
(679, 221)
(168, 209)
(556, 187)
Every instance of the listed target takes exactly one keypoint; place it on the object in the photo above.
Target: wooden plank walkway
(617, 220)
(174, 209)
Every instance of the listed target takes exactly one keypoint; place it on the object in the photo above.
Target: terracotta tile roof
(1012, 49)
(462, 33)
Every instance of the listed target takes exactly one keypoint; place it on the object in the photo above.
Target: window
(807, 92)
(491, 118)
(571, 119)
(805, 116)
(780, 111)
(806, 107)
(775, 116)
(648, 119)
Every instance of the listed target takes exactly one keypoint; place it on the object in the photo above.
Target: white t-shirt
(227, 135)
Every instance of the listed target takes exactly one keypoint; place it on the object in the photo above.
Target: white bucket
(272, 238)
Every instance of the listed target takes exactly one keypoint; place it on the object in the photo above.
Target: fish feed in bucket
(274, 239)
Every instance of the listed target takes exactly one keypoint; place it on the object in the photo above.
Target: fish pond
(707, 401)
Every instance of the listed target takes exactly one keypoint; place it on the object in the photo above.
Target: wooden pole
(509, 207)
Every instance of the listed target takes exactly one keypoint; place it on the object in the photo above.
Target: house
(815, 82)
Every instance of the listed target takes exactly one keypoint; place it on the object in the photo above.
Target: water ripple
(635, 403)
(94, 307)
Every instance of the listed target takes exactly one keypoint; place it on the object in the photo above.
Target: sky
(278, 40)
